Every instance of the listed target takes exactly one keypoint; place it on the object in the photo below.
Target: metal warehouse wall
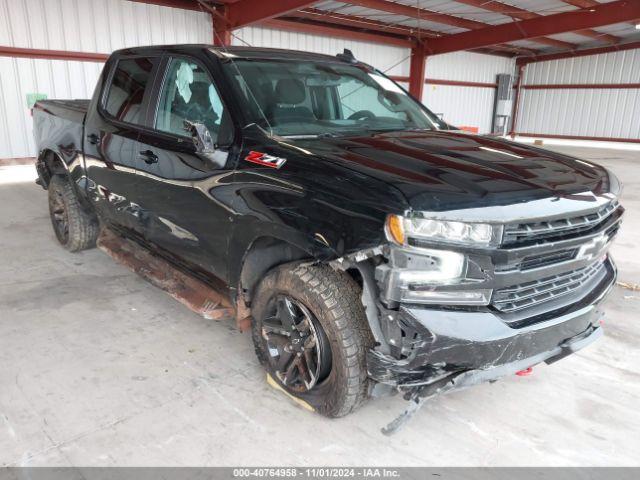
(468, 106)
(465, 106)
(583, 112)
(75, 25)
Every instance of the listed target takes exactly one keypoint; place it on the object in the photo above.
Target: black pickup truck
(377, 248)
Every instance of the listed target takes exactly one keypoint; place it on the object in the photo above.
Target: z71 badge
(264, 159)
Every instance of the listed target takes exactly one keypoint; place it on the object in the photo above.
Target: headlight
(458, 297)
(436, 267)
(400, 229)
(429, 276)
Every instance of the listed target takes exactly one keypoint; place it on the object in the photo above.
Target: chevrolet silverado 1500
(377, 248)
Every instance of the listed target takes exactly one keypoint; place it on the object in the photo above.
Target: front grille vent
(523, 233)
(532, 293)
(540, 260)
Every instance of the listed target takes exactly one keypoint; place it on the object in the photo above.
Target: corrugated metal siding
(461, 106)
(97, 25)
(611, 113)
(78, 25)
(19, 76)
(581, 113)
(465, 106)
(468, 66)
(613, 67)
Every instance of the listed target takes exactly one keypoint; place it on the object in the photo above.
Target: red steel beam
(417, 71)
(521, 14)
(246, 12)
(604, 14)
(221, 37)
(52, 54)
(443, 18)
(341, 32)
(578, 53)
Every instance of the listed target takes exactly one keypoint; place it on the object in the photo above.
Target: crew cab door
(183, 194)
(112, 127)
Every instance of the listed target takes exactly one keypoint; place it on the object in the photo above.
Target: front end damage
(536, 302)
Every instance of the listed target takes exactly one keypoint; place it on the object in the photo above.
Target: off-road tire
(334, 299)
(82, 226)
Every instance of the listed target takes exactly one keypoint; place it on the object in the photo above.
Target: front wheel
(311, 334)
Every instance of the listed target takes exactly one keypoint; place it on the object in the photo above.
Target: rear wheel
(75, 228)
(311, 334)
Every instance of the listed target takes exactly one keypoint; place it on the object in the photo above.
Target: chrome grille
(538, 291)
(535, 231)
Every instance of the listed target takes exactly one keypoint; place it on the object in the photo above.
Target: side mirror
(201, 137)
(205, 146)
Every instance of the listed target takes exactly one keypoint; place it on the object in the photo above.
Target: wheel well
(264, 254)
(50, 164)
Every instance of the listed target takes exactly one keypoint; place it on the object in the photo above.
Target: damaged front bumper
(466, 347)
(445, 350)
(470, 348)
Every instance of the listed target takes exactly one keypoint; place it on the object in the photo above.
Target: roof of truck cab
(233, 52)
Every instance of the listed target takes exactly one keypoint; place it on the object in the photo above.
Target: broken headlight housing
(429, 276)
(417, 273)
(402, 230)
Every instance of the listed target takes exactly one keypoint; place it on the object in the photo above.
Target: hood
(438, 171)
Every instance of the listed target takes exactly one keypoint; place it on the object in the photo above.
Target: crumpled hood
(451, 170)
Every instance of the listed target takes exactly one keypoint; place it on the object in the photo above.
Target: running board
(191, 292)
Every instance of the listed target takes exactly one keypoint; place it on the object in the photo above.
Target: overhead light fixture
(637, 26)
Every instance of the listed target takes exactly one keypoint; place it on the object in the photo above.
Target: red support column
(222, 38)
(417, 71)
(221, 31)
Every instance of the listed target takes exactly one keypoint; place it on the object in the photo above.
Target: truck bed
(58, 127)
(73, 110)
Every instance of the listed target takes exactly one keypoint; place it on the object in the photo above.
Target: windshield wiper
(305, 136)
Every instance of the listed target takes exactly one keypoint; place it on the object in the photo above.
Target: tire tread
(340, 298)
(83, 226)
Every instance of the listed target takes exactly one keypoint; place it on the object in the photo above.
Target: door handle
(93, 139)
(148, 156)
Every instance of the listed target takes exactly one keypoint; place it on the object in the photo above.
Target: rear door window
(125, 97)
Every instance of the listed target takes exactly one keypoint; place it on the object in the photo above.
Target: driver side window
(189, 94)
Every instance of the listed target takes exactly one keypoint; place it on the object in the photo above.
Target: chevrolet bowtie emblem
(593, 248)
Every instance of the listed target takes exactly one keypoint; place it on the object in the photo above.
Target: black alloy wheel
(59, 216)
(299, 350)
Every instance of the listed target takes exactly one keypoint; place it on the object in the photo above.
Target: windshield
(308, 98)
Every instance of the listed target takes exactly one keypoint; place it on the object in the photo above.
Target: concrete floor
(98, 367)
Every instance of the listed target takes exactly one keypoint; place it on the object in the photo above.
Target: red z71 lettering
(264, 159)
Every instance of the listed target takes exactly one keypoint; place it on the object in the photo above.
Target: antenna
(347, 56)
